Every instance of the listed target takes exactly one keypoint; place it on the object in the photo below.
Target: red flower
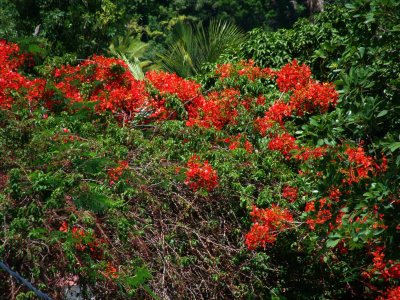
(224, 71)
(290, 193)
(200, 175)
(188, 91)
(320, 215)
(361, 165)
(13, 85)
(111, 271)
(267, 224)
(248, 146)
(293, 76)
(275, 114)
(306, 153)
(314, 97)
(64, 227)
(391, 294)
(115, 173)
(284, 143)
(239, 141)
(217, 111)
(386, 269)
(243, 68)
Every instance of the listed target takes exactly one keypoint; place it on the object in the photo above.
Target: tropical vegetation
(157, 150)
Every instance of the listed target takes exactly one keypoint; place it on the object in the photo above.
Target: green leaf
(141, 276)
(332, 243)
(96, 201)
(394, 146)
(382, 113)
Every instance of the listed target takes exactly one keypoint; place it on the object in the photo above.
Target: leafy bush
(157, 187)
(357, 47)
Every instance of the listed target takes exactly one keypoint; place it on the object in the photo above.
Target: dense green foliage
(83, 27)
(87, 27)
(357, 47)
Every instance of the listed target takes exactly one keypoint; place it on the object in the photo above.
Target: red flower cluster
(224, 71)
(334, 194)
(200, 175)
(14, 86)
(276, 114)
(111, 271)
(360, 165)
(84, 241)
(391, 294)
(278, 111)
(218, 110)
(314, 97)
(319, 216)
(284, 143)
(78, 234)
(308, 96)
(307, 153)
(267, 224)
(290, 193)
(386, 269)
(239, 141)
(244, 68)
(253, 72)
(112, 86)
(10, 57)
(115, 173)
(188, 91)
(89, 242)
(293, 76)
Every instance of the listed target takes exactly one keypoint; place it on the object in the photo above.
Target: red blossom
(267, 224)
(318, 215)
(278, 111)
(252, 72)
(361, 165)
(248, 146)
(224, 71)
(200, 174)
(314, 97)
(310, 206)
(293, 76)
(306, 153)
(290, 193)
(334, 194)
(218, 110)
(111, 271)
(391, 294)
(115, 173)
(243, 68)
(116, 89)
(14, 86)
(284, 143)
(386, 269)
(64, 227)
(239, 141)
(188, 91)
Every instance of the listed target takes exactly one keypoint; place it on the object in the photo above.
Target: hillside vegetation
(272, 174)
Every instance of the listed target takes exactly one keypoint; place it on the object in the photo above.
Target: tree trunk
(315, 6)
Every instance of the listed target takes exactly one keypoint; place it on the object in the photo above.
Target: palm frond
(134, 67)
(194, 45)
(131, 50)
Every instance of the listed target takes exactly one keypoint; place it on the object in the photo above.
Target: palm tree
(194, 45)
(131, 50)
